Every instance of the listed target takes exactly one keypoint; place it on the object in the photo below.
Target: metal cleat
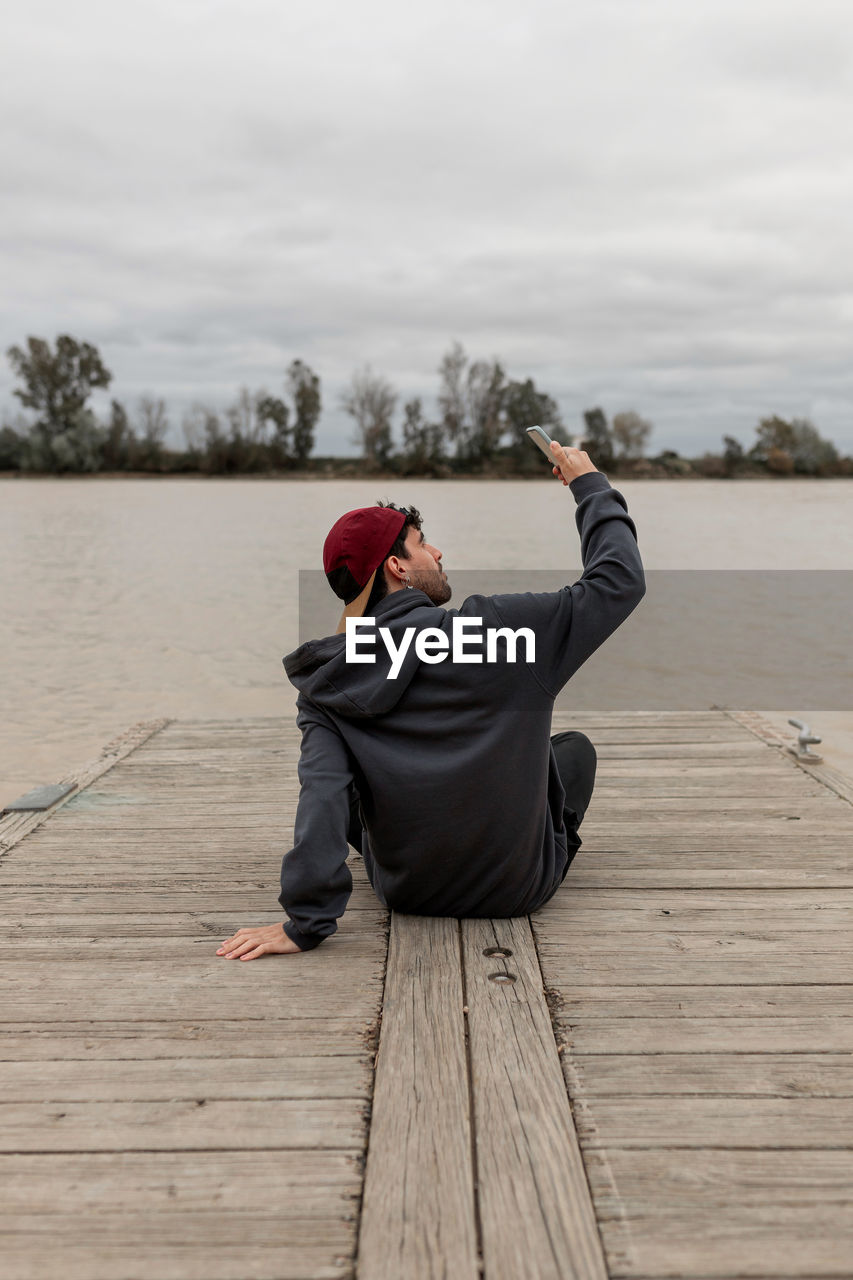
(804, 739)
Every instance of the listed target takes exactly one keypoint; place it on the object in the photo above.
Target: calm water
(131, 599)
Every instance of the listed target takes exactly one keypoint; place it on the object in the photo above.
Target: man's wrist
(304, 941)
(589, 482)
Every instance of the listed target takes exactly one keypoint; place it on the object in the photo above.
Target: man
(433, 761)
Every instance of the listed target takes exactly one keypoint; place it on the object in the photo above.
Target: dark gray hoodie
(460, 797)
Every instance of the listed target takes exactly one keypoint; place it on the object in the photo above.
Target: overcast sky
(640, 204)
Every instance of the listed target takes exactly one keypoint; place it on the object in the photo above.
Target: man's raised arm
(572, 623)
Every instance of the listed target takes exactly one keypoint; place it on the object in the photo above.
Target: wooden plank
(712, 877)
(794, 1075)
(177, 1080)
(191, 926)
(693, 913)
(158, 990)
(713, 793)
(685, 751)
(779, 965)
(351, 945)
(275, 1035)
(722, 772)
(536, 1214)
(194, 1125)
(701, 1036)
(63, 903)
(418, 1212)
(137, 1247)
(725, 1213)
(663, 732)
(714, 1001)
(794, 806)
(172, 1182)
(731, 1122)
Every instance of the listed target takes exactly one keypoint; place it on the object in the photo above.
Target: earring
(408, 583)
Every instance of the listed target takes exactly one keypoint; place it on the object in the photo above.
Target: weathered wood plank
(351, 944)
(180, 1080)
(794, 1075)
(172, 1182)
(773, 877)
(778, 964)
(725, 1213)
(731, 1122)
(273, 1034)
(713, 1001)
(191, 927)
(418, 1213)
(158, 990)
(194, 1125)
(196, 1247)
(701, 1036)
(571, 915)
(536, 1214)
(62, 905)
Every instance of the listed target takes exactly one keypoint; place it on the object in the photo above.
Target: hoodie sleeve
(571, 624)
(315, 880)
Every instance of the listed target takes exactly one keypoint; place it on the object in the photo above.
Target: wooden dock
(649, 1078)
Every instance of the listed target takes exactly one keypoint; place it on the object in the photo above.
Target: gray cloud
(641, 205)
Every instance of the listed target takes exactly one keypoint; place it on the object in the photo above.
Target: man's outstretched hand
(570, 463)
(263, 940)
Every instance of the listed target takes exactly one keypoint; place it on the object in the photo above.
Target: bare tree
(371, 400)
(485, 395)
(451, 394)
(192, 427)
(631, 432)
(246, 423)
(153, 421)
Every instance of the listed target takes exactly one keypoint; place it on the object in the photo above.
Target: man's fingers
(242, 945)
(258, 951)
(240, 936)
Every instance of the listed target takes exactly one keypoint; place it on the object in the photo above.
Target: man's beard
(433, 582)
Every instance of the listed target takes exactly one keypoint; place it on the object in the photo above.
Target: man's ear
(396, 570)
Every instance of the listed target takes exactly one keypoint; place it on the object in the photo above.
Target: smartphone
(542, 439)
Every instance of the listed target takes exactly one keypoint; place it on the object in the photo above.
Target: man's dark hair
(413, 520)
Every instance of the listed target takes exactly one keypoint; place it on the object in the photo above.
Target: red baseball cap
(353, 551)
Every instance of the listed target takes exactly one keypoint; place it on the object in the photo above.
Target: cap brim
(356, 607)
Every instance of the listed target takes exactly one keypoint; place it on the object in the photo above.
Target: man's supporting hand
(570, 462)
(263, 940)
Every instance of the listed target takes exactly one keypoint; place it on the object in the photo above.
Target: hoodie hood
(319, 668)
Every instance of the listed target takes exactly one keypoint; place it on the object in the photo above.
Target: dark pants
(576, 760)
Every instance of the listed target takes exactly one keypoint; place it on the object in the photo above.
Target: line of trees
(482, 416)
(258, 432)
